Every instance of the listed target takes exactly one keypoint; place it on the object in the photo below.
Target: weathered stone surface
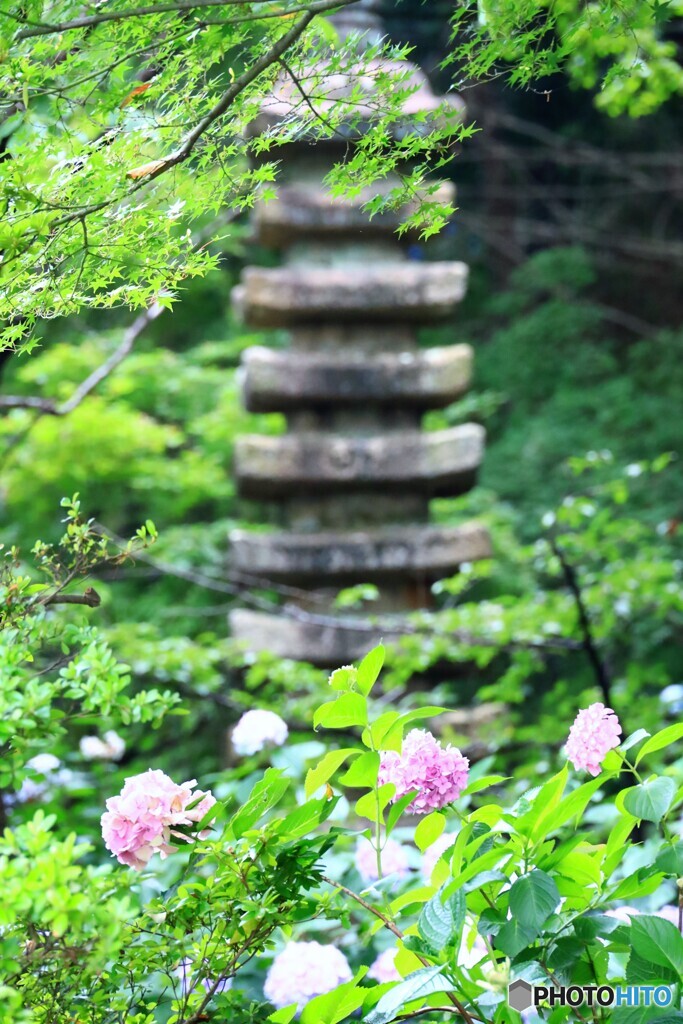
(322, 644)
(395, 291)
(444, 462)
(306, 211)
(280, 381)
(372, 556)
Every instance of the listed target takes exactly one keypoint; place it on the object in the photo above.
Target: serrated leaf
(533, 898)
(420, 984)
(440, 923)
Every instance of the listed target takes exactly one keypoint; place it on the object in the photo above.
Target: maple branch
(175, 7)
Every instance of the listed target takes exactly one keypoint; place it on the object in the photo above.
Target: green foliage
(128, 137)
(622, 50)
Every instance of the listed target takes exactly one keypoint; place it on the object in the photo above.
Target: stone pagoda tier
(352, 478)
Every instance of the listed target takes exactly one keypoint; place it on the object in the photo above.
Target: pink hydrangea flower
(669, 913)
(258, 729)
(394, 860)
(433, 854)
(623, 913)
(146, 815)
(384, 969)
(595, 731)
(302, 971)
(439, 774)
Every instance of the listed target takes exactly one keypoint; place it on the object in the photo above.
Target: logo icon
(520, 996)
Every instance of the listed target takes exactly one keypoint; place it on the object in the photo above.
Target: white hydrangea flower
(110, 748)
(304, 970)
(258, 729)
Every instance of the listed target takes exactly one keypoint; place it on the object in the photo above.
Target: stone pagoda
(353, 475)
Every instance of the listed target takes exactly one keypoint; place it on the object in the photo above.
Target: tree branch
(459, 1008)
(589, 644)
(175, 7)
(89, 597)
(51, 408)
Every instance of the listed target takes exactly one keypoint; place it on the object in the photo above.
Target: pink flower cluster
(384, 968)
(595, 731)
(439, 774)
(394, 860)
(149, 811)
(302, 971)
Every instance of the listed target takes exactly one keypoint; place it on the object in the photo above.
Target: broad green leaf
(285, 1015)
(337, 1005)
(483, 783)
(342, 679)
(514, 936)
(326, 767)
(659, 942)
(369, 669)
(574, 804)
(633, 739)
(397, 808)
(363, 771)
(429, 829)
(418, 985)
(651, 800)
(302, 820)
(387, 739)
(661, 739)
(533, 898)
(670, 860)
(347, 710)
(367, 806)
(440, 923)
(265, 794)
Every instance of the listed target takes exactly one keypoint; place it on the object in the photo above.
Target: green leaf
(386, 739)
(670, 860)
(325, 769)
(348, 709)
(366, 807)
(363, 771)
(661, 739)
(651, 800)
(343, 679)
(533, 898)
(428, 830)
(658, 942)
(369, 669)
(483, 783)
(337, 1005)
(397, 808)
(265, 794)
(417, 985)
(633, 739)
(285, 1015)
(440, 923)
(514, 936)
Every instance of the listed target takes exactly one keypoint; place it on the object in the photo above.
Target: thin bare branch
(50, 408)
